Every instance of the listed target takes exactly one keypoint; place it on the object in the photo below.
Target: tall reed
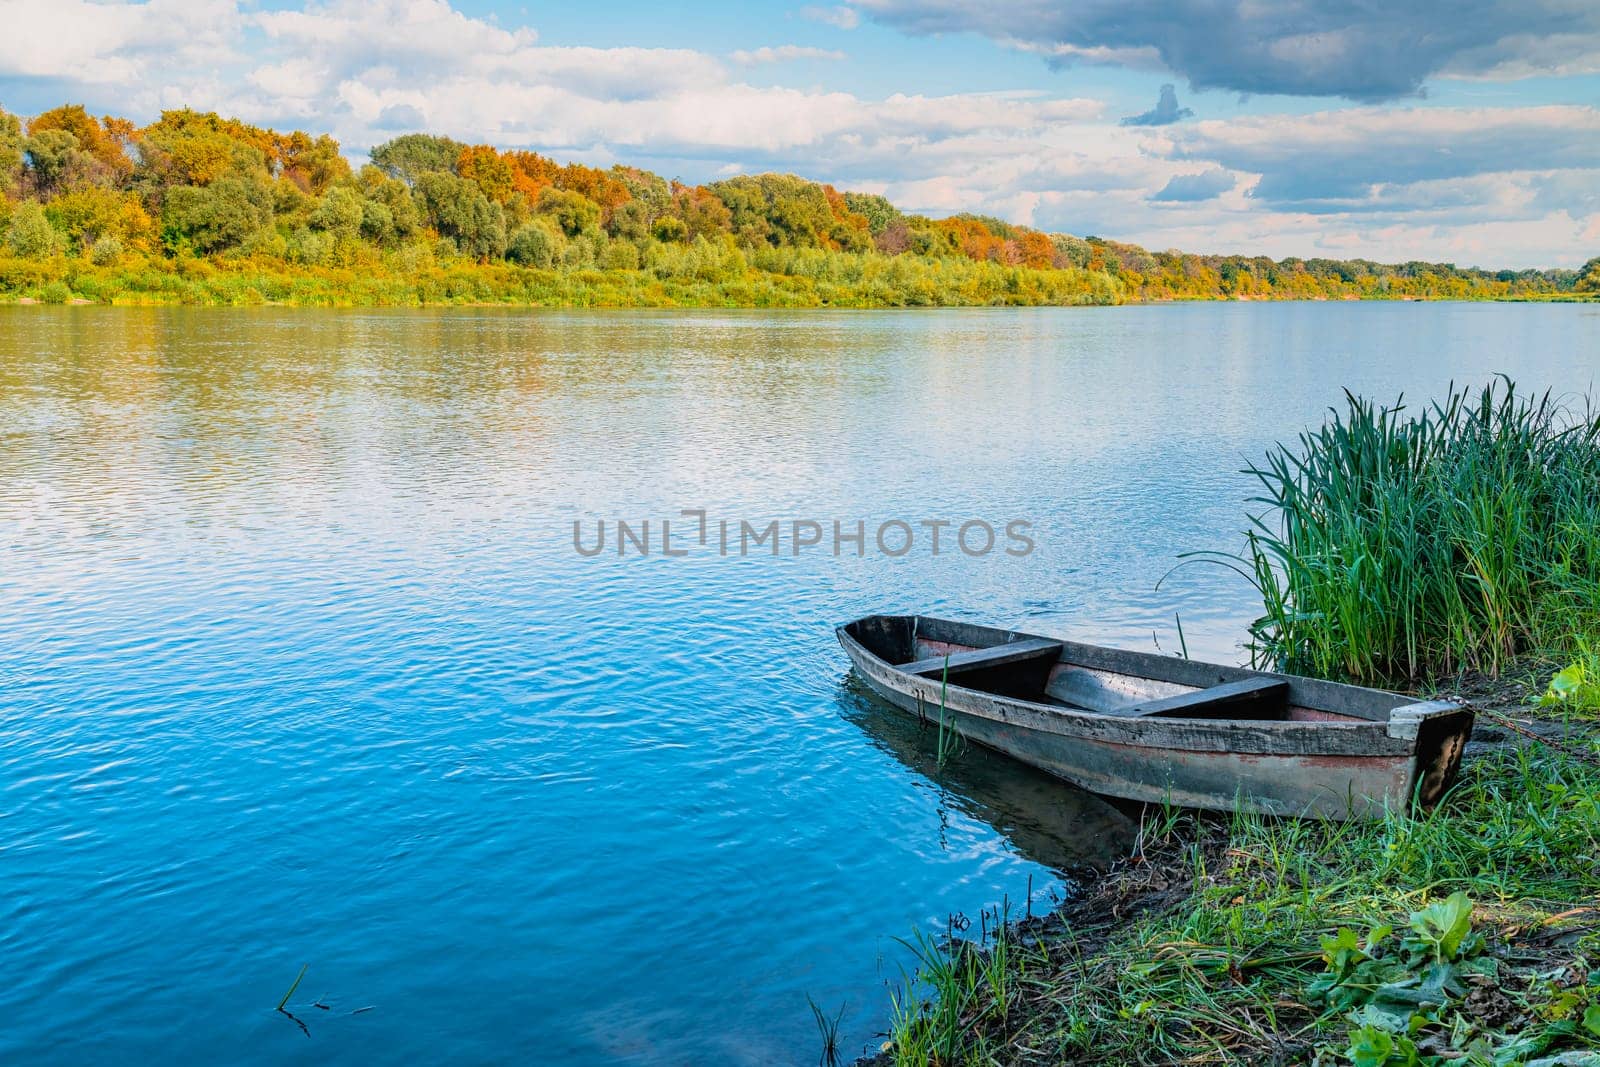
(1398, 546)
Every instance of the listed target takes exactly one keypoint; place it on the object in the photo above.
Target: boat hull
(1309, 767)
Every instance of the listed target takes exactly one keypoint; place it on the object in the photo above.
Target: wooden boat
(1160, 729)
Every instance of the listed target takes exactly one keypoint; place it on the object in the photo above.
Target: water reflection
(1048, 821)
(297, 664)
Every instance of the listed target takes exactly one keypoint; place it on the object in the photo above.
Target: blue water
(298, 664)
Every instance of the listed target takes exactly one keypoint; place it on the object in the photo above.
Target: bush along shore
(196, 208)
(1449, 551)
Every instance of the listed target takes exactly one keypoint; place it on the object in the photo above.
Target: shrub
(30, 234)
(533, 245)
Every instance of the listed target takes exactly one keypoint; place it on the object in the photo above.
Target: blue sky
(1465, 131)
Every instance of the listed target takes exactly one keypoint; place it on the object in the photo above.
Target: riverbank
(695, 278)
(1249, 940)
(1458, 540)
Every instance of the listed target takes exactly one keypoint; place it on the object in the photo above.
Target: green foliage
(53, 156)
(669, 228)
(573, 213)
(1442, 928)
(459, 211)
(877, 210)
(630, 222)
(534, 244)
(411, 156)
(1589, 277)
(1576, 687)
(30, 234)
(255, 202)
(1398, 547)
(776, 209)
(215, 217)
(10, 152)
(390, 212)
(343, 213)
(1305, 941)
(105, 250)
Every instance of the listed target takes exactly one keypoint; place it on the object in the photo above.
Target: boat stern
(1438, 731)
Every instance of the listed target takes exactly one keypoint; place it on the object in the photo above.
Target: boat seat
(1251, 698)
(1033, 648)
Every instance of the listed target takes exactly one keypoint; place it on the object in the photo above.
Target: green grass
(1398, 547)
(1246, 968)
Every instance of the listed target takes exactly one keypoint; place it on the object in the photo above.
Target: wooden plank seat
(1252, 698)
(1033, 648)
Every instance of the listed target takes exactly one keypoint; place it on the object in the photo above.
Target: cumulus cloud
(1356, 159)
(1165, 113)
(782, 53)
(1384, 182)
(1192, 188)
(1315, 47)
(113, 43)
(839, 16)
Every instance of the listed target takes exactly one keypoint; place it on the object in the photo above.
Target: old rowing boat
(1155, 728)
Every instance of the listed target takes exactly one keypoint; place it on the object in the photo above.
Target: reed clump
(1400, 546)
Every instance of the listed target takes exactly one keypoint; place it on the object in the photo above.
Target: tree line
(100, 207)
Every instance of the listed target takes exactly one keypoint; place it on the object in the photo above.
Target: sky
(1465, 131)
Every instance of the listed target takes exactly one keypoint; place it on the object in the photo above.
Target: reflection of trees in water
(1049, 821)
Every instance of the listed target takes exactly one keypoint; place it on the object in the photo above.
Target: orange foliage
(100, 141)
(843, 216)
(532, 173)
(1036, 250)
(972, 239)
(493, 173)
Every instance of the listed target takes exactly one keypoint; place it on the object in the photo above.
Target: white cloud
(840, 16)
(1423, 182)
(107, 44)
(783, 53)
(1354, 158)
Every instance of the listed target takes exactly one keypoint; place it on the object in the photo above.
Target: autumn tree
(94, 213)
(215, 217)
(701, 211)
(877, 210)
(411, 156)
(651, 192)
(491, 172)
(458, 211)
(313, 164)
(11, 141)
(92, 137)
(1589, 277)
(189, 147)
(574, 213)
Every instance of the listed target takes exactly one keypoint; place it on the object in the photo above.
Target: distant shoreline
(875, 285)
